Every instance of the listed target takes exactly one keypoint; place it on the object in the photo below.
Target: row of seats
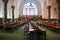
(35, 33)
(37, 28)
(51, 25)
(1, 24)
(11, 26)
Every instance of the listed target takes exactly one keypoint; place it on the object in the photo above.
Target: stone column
(5, 10)
(13, 7)
(58, 13)
(49, 7)
(58, 2)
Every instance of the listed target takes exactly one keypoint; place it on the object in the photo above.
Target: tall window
(30, 9)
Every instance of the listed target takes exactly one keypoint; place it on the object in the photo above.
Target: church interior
(29, 20)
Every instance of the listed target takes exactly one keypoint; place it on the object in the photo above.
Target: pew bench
(36, 32)
(10, 26)
(52, 26)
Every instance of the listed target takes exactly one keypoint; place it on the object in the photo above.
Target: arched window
(30, 9)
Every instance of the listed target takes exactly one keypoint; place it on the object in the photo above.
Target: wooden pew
(26, 30)
(39, 32)
(51, 25)
(38, 29)
(1, 25)
(11, 26)
(7, 27)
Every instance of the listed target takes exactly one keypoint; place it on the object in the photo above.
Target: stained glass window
(30, 9)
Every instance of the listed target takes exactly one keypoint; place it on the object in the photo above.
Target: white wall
(1, 9)
(42, 2)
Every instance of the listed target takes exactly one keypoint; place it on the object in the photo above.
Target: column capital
(5, 1)
(13, 7)
(58, 1)
(49, 7)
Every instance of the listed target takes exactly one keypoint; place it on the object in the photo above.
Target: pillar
(13, 7)
(5, 10)
(49, 7)
(58, 4)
